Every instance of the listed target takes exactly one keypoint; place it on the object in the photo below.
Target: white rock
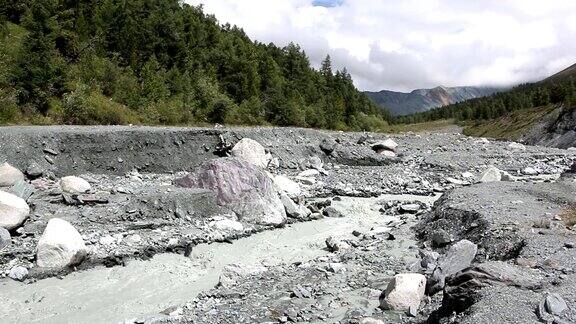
(60, 245)
(404, 291)
(74, 185)
(135, 238)
(309, 173)
(388, 145)
(9, 175)
(18, 273)
(517, 146)
(467, 175)
(283, 183)
(13, 210)
(455, 181)
(530, 171)
(226, 224)
(251, 151)
(492, 174)
(482, 140)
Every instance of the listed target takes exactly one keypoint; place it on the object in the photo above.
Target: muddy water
(110, 295)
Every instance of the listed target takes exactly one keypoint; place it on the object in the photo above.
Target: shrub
(85, 106)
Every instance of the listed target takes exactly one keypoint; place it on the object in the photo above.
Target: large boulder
(9, 175)
(458, 258)
(74, 185)
(13, 210)
(60, 245)
(252, 152)
(241, 187)
(404, 291)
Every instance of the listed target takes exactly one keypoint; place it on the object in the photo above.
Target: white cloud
(402, 45)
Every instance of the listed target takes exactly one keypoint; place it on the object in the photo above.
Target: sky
(410, 44)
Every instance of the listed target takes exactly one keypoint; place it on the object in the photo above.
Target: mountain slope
(401, 103)
(562, 75)
(161, 62)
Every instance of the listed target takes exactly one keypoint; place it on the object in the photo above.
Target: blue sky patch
(327, 3)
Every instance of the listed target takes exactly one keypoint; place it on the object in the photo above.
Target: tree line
(161, 62)
(499, 104)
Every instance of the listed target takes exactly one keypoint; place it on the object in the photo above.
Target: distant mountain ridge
(420, 100)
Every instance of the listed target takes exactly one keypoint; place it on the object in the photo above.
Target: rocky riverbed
(251, 225)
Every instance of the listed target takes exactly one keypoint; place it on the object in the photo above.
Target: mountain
(402, 103)
(562, 75)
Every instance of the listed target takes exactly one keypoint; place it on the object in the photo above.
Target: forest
(161, 62)
(532, 95)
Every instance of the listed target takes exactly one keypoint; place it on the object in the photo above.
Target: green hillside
(161, 62)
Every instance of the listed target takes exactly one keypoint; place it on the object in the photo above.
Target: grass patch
(509, 127)
(432, 126)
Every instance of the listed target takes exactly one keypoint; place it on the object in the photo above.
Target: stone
(457, 258)
(34, 170)
(231, 273)
(332, 212)
(386, 145)
(555, 304)
(240, 187)
(60, 245)
(13, 210)
(291, 188)
(5, 238)
(530, 171)
(467, 175)
(107, 240)
(306, 180)
(410, 208)
(335, 244)
(9, 175)
(517, 146)
(293, 209)
(309, 173)
(505, 176)
(251, 151)
(18, 273)
(74, 185)
(226, 224)
(428, 258)
(328, 145)
(336, 267)
(492, 174)
(371, 320)
(405, 290)
(388, 153)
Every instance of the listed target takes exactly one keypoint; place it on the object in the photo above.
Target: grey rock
(555, 304)
(331, 212)
(492, 174)
(410, 208)
(456, 259)
(335, 244)
(34, 170)
(328, 145)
